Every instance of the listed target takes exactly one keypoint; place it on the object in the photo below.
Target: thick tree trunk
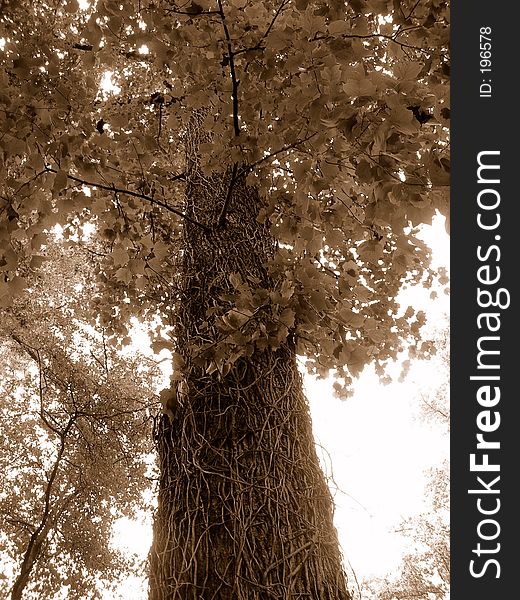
(244, 511)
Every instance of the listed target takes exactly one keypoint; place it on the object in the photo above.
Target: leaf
(37, 260)
(362, 293)
(124, 275)
(17, 285)
(403, 120)
(236, 319)
(9, 260)
(60, 182)
(357, 361)
(36, 162)
(338, 27)
(159, 345)
(410, 311)
(318, 300)
(38, 241)
(235, 279)
(287, 317)
(359, 87)
(178, 362)
(137, 266)
(160, 250)
(72, 6)
(440, 171)
(94, 34)
(120, 256)
(363, 172)
(407, 71)
(353, 319)
(287, 289)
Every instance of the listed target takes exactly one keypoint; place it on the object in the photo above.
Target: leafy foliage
(310, 100)
(75, 425)
(435, 407)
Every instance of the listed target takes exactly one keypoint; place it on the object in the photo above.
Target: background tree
(75, 446)
(254, 176)
(425, 570)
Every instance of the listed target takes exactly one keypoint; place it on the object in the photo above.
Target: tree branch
(38, 537)
(250, 167)
(271, 24)
(258, 45)
(84, 47)
(222, 217)
(194, 13)
(113, 188)
(390, 38)
(234, 80)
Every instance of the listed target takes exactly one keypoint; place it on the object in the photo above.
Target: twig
(271, 24)
(251, 166)
(234, 80)
(222, 217)
(113, 188)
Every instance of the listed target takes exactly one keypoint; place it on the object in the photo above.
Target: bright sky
(378, 447)
(379, 451)
(375, 444)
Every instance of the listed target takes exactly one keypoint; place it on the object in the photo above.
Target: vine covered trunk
(244, 511)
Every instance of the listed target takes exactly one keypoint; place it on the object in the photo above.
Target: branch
(411, 11)
(113, 188)
(390, 38)
(39, 535)
(84, 47)
(276, 152)
(258, 45)
(271, 24)
(234, 81)
(222, 217)
(34, 353)
(194, 13)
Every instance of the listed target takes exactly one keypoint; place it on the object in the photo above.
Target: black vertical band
(485, 434)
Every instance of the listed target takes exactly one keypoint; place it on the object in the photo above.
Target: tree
(74, 441)
(435, 407)
(254, 176)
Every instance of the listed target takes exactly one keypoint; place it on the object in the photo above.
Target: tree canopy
(324, 106)
(424, 573)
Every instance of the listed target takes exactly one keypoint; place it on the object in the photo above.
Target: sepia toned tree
(253, 175)
(75, 445)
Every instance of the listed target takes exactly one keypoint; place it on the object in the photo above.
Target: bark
(30, 559)
(244, 511)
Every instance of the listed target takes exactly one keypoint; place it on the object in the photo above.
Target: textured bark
(244, 511)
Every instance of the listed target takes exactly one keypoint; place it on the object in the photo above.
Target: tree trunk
(244, 511)
(31, 556)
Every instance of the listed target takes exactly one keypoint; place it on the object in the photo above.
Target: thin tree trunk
(39, 536)
(29, 561)
(244, 511)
